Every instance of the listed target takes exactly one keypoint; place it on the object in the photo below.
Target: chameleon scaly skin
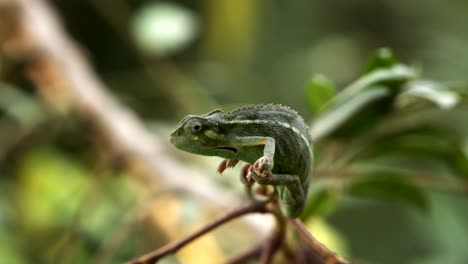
(273, 138)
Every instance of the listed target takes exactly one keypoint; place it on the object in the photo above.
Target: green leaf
(319, 91)
(372, 88)
(322, 201)
(390, 187)
(383, 58)
(431, 91)
(331, 119)
(394, 75)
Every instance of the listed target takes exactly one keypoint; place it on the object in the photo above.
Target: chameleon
(274, 138)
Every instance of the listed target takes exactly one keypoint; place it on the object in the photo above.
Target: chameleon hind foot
(246, 175)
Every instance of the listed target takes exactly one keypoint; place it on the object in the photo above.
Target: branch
(275, 240)
(172, 248)
(321, 250)
(243, 257)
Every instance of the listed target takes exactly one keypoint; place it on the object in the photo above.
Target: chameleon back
(293, 147)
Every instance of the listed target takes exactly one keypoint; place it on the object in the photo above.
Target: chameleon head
(202, 135)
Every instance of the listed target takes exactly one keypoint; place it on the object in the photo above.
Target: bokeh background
(67, 197)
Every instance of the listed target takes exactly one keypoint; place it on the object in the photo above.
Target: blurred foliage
(390, 136)
(391, 147)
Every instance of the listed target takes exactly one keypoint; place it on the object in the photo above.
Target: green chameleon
(273, 138)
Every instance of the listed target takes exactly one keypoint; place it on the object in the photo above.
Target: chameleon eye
(194, 126)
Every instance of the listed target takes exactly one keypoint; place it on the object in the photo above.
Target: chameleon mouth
(229, 149)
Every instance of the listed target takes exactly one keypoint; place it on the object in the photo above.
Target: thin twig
(328, 256)
(266, 249)
(243, 257)
(276, 238)
(171, 248)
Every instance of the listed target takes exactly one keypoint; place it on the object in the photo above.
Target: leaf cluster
(390, 135)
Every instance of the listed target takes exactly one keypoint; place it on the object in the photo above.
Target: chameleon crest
(273, 138)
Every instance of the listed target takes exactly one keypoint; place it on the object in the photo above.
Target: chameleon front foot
(263, 166)
(266, 192)
(227, 163)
